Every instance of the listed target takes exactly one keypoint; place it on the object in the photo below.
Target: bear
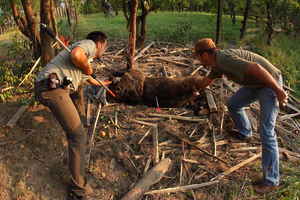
(133, 87)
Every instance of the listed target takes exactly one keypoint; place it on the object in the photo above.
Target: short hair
(97, 36)
(208, 51)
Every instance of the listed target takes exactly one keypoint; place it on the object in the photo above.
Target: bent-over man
(59, 87)
(261, 82)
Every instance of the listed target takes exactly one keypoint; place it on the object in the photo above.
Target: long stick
(90, 136)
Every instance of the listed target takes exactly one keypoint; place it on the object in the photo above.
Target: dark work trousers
(64, 110)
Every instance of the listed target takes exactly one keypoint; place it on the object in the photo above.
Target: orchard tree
(141, 19)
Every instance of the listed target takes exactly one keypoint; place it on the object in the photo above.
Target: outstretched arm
(261, 73)
(94, 82)
(204, 83)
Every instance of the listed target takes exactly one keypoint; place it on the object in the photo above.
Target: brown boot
(235, 133)
(262, 188)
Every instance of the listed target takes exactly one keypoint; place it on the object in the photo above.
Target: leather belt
(43, 86)
(42, 82)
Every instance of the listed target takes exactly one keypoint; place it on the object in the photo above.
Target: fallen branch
(152, 177)
(174, 62)
(182, 188)
(220, 176)
(145, 49)
(141, 122)
(178, 117)
(191, 144)
(141, 140)
(155, 144)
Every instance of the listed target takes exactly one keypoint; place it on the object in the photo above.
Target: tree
(45, 16)
(31, 26)
(271, 4)
(132, 32)
(141, 19)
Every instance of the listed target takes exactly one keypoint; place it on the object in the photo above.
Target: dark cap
(202, 45)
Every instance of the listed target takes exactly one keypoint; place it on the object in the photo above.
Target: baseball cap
(202, 45)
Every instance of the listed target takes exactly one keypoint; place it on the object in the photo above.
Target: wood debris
(185, 137)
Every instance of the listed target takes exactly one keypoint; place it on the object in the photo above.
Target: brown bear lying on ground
(132, 87)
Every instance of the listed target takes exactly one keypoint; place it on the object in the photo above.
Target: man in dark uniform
(51, 92)
(261, 81)
(107, 9)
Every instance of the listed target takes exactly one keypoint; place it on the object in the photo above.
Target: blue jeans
(269, 107)
(108, 11)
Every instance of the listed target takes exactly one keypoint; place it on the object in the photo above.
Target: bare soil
(34, 157)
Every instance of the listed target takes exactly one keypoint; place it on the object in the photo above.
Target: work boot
(235, 133)
(262, 188)
(75, 197)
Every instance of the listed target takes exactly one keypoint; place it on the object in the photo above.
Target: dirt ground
(34, 157)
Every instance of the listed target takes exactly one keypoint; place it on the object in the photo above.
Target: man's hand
(196, 92)
(107, 82)
(282, 97)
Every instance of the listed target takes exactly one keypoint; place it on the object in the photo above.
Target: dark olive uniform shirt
(233, 64)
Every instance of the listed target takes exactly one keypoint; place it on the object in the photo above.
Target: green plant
(19, 46)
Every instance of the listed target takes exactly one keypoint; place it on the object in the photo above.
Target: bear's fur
(134, 88)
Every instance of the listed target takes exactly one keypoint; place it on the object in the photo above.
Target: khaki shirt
(233, 64)
(63, 66)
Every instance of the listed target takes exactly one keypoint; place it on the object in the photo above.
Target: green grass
(159, 25)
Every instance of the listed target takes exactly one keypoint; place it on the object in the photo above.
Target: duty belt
(43, 85)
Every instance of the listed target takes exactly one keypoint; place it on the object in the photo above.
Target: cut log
(152, 177)
(18, 114)
(210, 100)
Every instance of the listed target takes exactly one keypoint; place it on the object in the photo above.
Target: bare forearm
(205, 82)
(261, 73)
(95, 82)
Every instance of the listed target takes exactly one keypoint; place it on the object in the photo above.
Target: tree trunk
(23, 27)
(219, 22)
(45, 37)
(140, 38)
(32, 27)
(68, 15)
(245, 21)
(270, 16)
(117, 10)
(54, 27)
(132, 32)
(232, 12)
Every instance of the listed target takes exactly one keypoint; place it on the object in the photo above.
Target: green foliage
(19, 46)
(182, 33)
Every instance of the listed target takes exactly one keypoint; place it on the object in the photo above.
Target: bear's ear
(111, 78)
